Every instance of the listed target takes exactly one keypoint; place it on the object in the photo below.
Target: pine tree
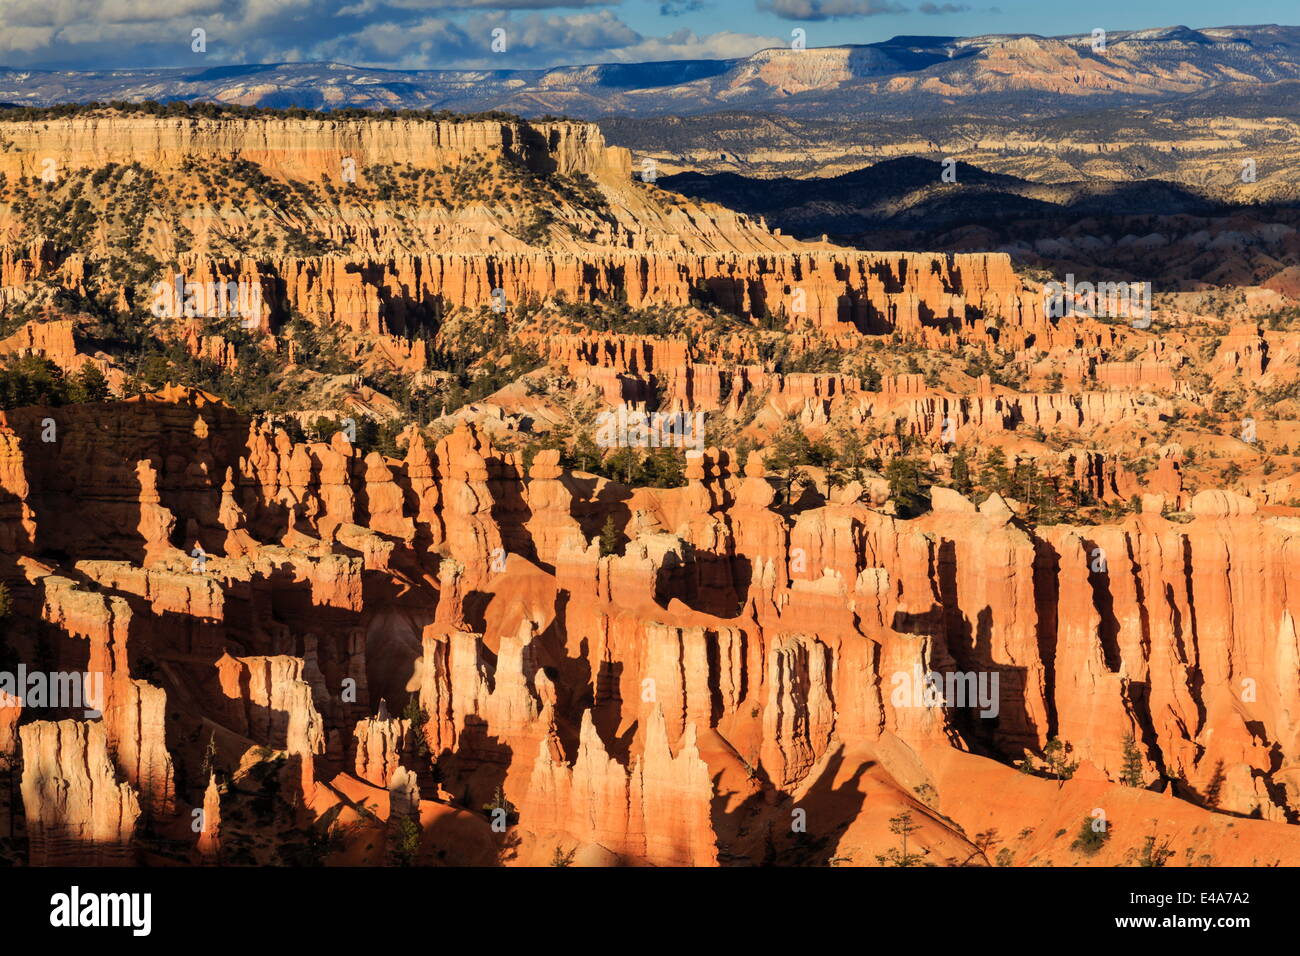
(899, 856)
(664, 468)
(89, 384)
(790, 448)
(850, 459)
(994, 475)
(609, 538)
(562, 858)
(961, 477)
(407, 847)
(417, 717)
(1131, 774)
(624, 466)
(909, 486)
(209, 763)
(586, 454)
(1056, 756)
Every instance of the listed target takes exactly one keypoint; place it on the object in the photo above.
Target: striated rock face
(78, 814)
(760, 648)
(799, 714)
(380, 744)
(658, 811)
(915, 294)
(53, 340)
(674, 702)
(11, 710)
(133, 710)
(304, 149)
(267, 700)
(614, 238)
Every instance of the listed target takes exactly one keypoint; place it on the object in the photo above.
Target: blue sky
(431, 34)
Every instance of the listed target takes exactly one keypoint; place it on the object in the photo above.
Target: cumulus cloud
(829, 9)
(58, 13)
(405, 45)
(600, 30)
(123, 33)
(401, 34)
(396, 34)
(686, 45)
(939, 9)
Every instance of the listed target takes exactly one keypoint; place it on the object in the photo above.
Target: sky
(452, 34)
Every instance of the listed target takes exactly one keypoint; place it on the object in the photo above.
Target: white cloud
(400, 34)
(601, 30)
(685, 45)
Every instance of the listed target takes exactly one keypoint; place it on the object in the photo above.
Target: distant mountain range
(1180, 235)
(910, 194)
(906, 75)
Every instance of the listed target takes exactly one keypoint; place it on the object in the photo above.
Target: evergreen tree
(562, 858)
(367, 432)
(89, 384)
(609, 537)
(32, 380)
(417, 717)
(209, 763)
(1056, 756)
(586, 455)
(664, 468)
(849, 459)
(407, 847)
(909, 486)
(960, 473)
(624, 466)
(1131, 774)
(994, 474)
(903, 826)
(1037, 491)
(790, 449)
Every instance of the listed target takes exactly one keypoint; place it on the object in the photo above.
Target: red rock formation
(268, 701)
(133, 710)
(380, 744)
(209, 842)
(78, 814)
(617, 701)
(658, 811)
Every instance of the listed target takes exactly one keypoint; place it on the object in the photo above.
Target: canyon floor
(442, 490)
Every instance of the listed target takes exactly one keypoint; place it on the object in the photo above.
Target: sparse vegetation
(1093, 834)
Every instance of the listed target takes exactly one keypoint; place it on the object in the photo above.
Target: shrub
(1090, 839)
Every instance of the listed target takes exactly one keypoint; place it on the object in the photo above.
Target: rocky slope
(733, 665)
(919, 552)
